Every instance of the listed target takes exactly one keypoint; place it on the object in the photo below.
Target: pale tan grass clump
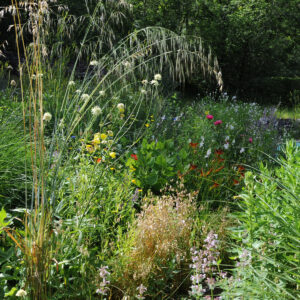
(159, 238)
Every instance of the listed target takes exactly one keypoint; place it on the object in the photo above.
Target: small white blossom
(144, 92)
(78, 91)
(157, 77)
(71, 83)
(85, 96)
(145, 81)
(208, 153)
(126, 64)
(154, 82)
(21, 293)
(242, 150)
(47, 117)
(96, 111)
(231, 127)
(102, 93)
(226, 146)
(33, 77)
(121, 106)
(13, 83)
(94, 63)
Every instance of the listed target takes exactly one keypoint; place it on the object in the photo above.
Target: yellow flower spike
(103, 136)
(112, 154)
(147, 125)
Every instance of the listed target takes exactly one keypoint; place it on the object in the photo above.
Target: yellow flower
(207, 112)
(112, 154)
(147, 125)
(89, 148)
(140, 190)
(122, 116)
(121, 110)
(132, 168)
(103, 136)
(133, 181)
(112, 169)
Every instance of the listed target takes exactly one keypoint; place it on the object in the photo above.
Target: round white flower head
(157, 77)
(94, 63)
(85, 96)
(226, 146)
(96, 111)
(33, 77)
(47, 117)
(102, 93)
(145, 81)
(78, 91)
(143, 91)
(154, 82)
(21, 293)
(13, 83)
(121, 106)
(71, 83)
(242, 150)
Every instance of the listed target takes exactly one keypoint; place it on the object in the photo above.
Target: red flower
(193, 167)
(240, 168)
(99, 160)
(134, 156)
(218, 122)
(209, 117)
(194, 145)
(219, 152)
(250, 140)
(236, 182)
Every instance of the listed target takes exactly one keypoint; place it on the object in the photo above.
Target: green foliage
(268, 234)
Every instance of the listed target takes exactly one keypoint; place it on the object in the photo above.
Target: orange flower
(219, 152)
(99, 160)
(193, 167)
(194, 145)
(215, 185)
(219, 169)
(240, 168)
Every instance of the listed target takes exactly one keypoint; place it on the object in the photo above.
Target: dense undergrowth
(112, 187)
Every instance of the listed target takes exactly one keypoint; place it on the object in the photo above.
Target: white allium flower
(94, 63)
(21, 293)
(85, 96)
(226, 146)
(13, 83)
(121, 106)
(145, 81)
(143, 91)
(47, 117)
(102, 93)
(78, 91)
(71, 83)
(33, 77)
(157, 77)
(208, 153)
(96, 111)
(242, 150)
(154, 82)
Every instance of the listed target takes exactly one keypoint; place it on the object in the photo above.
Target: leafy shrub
(269, 233)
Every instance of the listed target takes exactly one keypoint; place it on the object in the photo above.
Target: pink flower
(209, 117)
(250, 140)
(218, 122)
